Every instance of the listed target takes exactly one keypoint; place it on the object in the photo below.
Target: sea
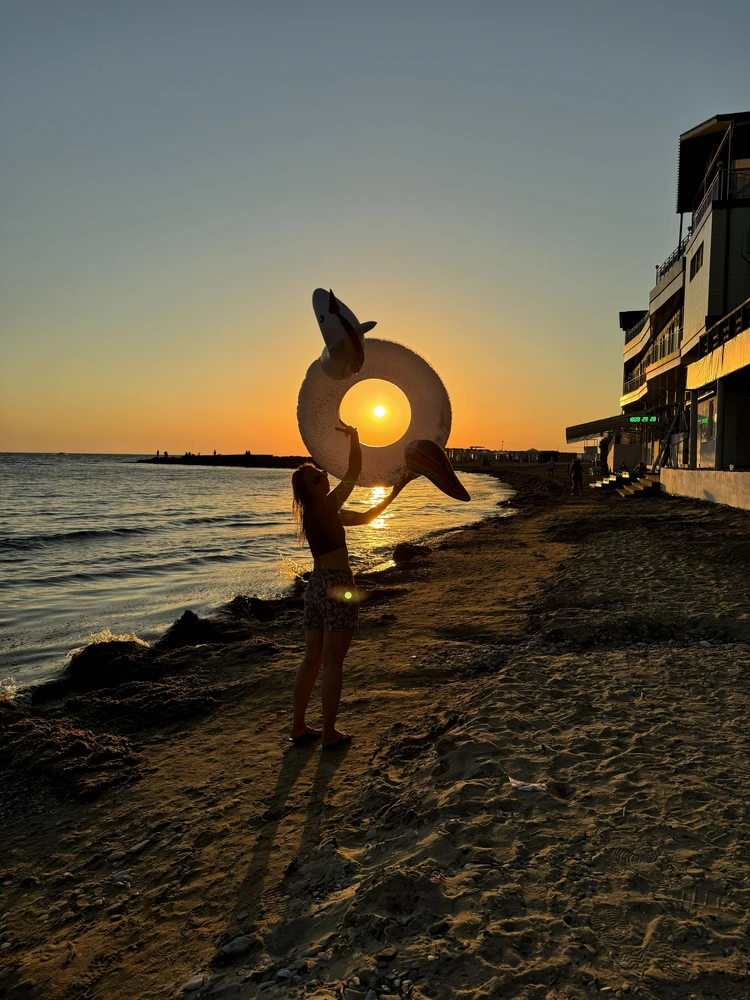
(94, 546)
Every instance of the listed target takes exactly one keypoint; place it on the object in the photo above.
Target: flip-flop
(336, 743)
(304, 738)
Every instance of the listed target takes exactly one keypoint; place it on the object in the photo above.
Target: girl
(330, 597)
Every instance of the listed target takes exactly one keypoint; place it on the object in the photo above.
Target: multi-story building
(686, 358)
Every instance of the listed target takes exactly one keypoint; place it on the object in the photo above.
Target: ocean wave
(235, 521)
(111, 570)
(8, 688)
(106, 636)
(23, 542)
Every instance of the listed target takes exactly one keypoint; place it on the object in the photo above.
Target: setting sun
(378, 409)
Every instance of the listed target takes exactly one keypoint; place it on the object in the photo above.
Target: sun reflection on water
(378, 493)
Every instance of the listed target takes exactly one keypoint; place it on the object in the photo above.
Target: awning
(728, 358)
(601, 428)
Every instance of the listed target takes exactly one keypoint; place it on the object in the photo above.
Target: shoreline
(513, 650)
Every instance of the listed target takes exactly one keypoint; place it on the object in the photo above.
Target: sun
(379, 409)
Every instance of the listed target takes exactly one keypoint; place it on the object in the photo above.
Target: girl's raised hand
(348, 430)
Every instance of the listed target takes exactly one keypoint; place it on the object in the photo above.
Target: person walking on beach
(551, 469)
(331, 613)
(576, 477)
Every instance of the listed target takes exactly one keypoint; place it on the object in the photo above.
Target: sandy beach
(161, 838)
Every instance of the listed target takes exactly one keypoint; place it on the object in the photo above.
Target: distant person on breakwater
(550, 469)
(331, 612)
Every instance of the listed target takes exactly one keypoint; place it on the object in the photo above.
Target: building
(480, 456)
(685, 403)
(474, 455)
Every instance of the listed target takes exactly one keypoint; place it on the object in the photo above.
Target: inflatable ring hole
(378, 409)
(319, 410)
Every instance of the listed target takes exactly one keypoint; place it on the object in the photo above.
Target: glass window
(696, 262)
(707, 420)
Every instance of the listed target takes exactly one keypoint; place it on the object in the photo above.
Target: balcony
(669, 263)
(633, 332)
(727, 184)
(726, 329)
(633, 383)
(667, 344)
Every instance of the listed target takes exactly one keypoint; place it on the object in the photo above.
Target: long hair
(300, 498)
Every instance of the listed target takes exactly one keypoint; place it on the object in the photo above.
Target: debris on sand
(520, 786)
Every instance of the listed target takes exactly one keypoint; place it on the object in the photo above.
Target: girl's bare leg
(335, 648)
(304, 682)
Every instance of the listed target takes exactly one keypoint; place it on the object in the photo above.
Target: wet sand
(597, 646)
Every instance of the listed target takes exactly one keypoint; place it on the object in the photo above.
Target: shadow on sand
(275, 853)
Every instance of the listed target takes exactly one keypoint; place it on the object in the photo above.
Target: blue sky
(492, 182)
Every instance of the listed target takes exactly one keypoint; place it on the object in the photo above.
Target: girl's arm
(349, 518)
(340, 494)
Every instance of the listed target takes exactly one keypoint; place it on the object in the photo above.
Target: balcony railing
(633, 383)
(709, 197)
(677, 253)
(666, 344)
(725, 185)
(727, 328)
(633, 332)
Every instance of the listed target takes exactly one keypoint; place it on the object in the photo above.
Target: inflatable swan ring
(345, 362)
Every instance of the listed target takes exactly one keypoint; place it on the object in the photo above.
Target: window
(696, 262)
(707, 420)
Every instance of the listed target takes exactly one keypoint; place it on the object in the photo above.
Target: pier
(245, 461)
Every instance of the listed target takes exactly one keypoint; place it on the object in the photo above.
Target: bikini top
(323, 528)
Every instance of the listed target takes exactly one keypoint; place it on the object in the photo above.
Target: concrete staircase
(644, 486)
(611, 483)
(629, 484)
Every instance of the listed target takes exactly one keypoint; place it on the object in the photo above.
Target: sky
(491, 181)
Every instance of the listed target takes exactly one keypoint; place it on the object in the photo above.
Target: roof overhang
(629, 318)
(698, 147)
(608, 425)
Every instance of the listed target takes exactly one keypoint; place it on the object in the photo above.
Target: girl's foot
(305, 735)
(338, 739)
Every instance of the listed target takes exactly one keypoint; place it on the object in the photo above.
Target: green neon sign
(642, 420)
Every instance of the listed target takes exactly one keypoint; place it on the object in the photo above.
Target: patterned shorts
(331, 600)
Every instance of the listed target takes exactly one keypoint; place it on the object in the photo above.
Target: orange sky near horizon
(180, 393)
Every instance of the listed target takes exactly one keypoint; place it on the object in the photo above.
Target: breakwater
(246, 461)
